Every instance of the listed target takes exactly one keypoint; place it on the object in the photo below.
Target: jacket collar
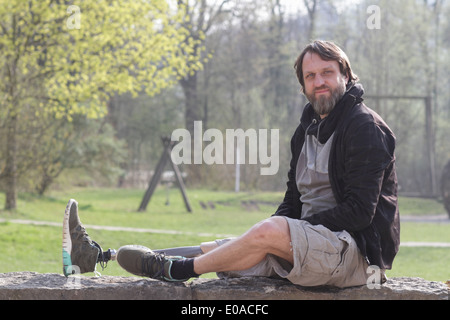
(311, 121)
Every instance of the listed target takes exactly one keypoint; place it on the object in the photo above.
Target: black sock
(183, 269)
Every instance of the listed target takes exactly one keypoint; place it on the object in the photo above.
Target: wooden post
(166, 156)
(180, 182)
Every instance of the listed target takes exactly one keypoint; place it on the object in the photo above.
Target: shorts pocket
(346, 241)
(323, 256)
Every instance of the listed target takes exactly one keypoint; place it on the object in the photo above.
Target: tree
(199, 19)
(58, 60)
(311, 6)
(83, 143)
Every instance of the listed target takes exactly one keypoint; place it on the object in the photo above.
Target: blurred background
(88, 89)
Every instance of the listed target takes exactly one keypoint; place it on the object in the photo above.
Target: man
(339, 214)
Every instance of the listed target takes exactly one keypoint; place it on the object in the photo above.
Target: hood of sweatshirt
(311, 122)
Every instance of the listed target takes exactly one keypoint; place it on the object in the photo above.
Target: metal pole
(238, 170)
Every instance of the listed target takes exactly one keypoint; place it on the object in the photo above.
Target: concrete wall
(31, 285)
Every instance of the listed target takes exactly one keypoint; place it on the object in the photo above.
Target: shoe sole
(67, 241)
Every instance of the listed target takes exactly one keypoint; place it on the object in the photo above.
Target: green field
(38, 248)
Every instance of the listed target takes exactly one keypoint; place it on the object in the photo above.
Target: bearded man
(339, 214)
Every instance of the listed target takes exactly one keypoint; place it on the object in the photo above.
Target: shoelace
(101, 258)
(148, 264)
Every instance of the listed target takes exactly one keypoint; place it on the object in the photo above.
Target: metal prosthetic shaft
(187, 252)
(192, 251)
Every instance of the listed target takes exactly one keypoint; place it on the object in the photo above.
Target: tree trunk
(192, 113)
(192, 106)
(311, 6)
(445, 187)
(46, 181)
(10, 172)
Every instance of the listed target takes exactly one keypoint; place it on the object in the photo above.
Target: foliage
(119, 46)
(124, 53)
(59, 59)
(250, 83)
(88, 144)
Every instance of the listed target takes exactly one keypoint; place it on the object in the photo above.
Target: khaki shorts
(321, 257)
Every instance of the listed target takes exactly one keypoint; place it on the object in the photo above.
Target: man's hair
(327, 51)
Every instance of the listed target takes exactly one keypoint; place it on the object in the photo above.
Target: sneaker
(80, 253)
(143, 262)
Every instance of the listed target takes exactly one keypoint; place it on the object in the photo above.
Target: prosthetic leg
(81, 254)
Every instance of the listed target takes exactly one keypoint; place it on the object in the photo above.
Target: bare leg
(269, 236)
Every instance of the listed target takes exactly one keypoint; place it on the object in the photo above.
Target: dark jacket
(362, 176)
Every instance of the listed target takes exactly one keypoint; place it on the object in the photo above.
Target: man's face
(324, 83)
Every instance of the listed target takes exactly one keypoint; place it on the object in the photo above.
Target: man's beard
(323, 104)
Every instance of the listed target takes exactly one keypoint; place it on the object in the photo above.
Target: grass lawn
(38, 248)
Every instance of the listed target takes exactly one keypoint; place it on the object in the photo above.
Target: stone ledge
(31, 285)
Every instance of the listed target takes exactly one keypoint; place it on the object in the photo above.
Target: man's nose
(318, 81)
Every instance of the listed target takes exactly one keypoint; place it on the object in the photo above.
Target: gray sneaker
(143, 262)
(80, 253)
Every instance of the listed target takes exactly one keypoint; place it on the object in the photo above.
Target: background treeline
(248, 81)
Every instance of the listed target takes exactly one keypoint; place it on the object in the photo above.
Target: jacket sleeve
(291, 206)
(367, 152)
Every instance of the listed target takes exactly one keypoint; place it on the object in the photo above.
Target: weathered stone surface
(31, 285)
(271, 289)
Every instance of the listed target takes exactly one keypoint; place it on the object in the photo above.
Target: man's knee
(270, 230)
